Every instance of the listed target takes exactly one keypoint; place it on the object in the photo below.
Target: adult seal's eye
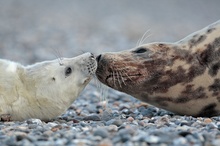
(140, 50)
(68, 71)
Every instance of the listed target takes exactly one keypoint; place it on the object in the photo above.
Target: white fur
(31, 92)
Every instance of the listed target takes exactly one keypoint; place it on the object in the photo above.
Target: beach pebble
(92, 117)
(102, 132)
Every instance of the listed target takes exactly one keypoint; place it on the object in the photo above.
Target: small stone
(130, 119)
(51, 124)
(91, 108)
(32, 126)
(106, 116)
(152, 139)
(22, 128)
(125, 137)
(207, 120)
(123, 116)
(20, 137)
(211, 126)
(48, 133)
(216, 142)
(56, 128)
(93, 117)
(180, 141)
(112, 128)
(139, 117)
(83, 123)
(60, 141)
(105, 142)
(146, 113)
(125, 111)
(102, 132)
(141, 123)
(116, 122)
(34, 121)
(135, 122)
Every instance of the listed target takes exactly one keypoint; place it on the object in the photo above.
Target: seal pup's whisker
(104, 91)
(58, 56)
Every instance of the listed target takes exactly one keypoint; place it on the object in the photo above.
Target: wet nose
(98, 58)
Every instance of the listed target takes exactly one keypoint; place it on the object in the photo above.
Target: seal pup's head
(53, 85)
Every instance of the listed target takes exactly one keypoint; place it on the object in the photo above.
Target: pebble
(207, 120)
(180, 141)
(112, 128)
(102, 132)
(130, 119)
(152, 139)
(92, 117)
(56, 128)
(116, 122)
(106, 142)
(34, 121)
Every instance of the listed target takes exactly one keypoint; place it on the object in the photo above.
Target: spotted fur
(182, 77)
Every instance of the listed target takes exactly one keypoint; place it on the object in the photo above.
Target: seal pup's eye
(68, 71)
(140, 50)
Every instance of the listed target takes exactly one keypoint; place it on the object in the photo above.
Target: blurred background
(36, 30)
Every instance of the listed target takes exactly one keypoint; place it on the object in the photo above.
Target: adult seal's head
(182, 77)
(43, 90)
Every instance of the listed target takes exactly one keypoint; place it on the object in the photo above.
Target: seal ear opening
(53, 79)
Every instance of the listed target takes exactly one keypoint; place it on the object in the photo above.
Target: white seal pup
(182, 77)
(43, 90)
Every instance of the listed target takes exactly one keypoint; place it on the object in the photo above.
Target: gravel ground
(33, 31)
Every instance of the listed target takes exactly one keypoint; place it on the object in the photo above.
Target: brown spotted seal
(182, 77)
(43, 90)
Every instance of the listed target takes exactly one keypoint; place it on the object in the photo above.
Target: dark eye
(68, 71)
(140, 50)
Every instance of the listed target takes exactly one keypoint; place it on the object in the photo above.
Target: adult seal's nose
(98, 58)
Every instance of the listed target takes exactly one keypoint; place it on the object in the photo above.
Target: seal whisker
(113, 76)
(122, 78)
(144, 37)
(127, 75)
(58, 56)
(138, 43)
(118, 77)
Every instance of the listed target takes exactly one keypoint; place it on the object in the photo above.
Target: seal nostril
(92, 55)
(98, 58)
